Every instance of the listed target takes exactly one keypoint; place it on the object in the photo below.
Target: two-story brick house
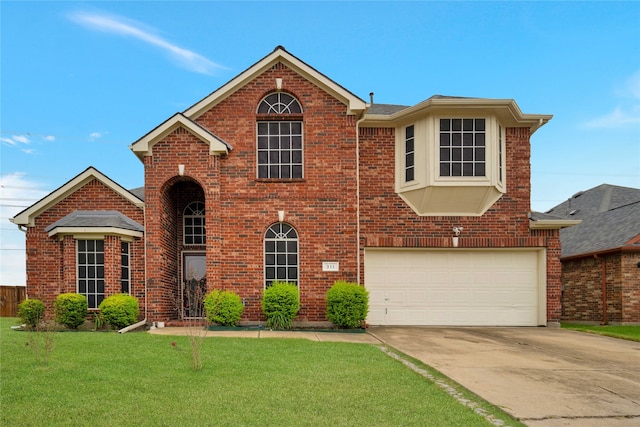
(283, 174)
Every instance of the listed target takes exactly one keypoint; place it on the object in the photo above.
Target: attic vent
(578, 194)
(573, 212)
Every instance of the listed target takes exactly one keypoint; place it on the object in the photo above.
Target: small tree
(347, 304)
(223, 307)
(280, 304)
(71, 310)
(119, 310)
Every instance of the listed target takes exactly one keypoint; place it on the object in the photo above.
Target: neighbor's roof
(93, 221)
(610, 220)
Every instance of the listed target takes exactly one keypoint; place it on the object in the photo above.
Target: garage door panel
(413, 287)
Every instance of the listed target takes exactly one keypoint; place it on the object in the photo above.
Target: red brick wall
(240, 208)
(582, 281)
(51, 262)
(387, 221)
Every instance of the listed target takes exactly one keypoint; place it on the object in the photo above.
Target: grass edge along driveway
(146, 380)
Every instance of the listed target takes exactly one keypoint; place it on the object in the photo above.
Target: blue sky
(81, 81)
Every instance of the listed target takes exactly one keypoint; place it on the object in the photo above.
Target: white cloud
(94, 136)
(625, 113)
(16, 139)
(50, 138)
(129, 28)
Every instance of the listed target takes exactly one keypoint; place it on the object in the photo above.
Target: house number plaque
(330, 266)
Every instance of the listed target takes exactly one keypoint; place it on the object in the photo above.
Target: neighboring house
(283, 174)
(601, 256)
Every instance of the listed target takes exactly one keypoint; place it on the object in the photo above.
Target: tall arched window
(280, 151)
(280, 254)
(193, 221)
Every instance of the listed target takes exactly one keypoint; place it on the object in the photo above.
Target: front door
(194, 284)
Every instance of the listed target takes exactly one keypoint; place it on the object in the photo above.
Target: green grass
(627, 332)
(138, 379)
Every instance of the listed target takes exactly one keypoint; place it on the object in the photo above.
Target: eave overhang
(552, 224)
(354, 104)
(506, 111)
(93, 231)
(27, 217)
(144, 146)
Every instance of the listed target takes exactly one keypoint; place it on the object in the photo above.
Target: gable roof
(354, 104)
(144, 146)
(610, 217)
(27, 216)
(96, 221)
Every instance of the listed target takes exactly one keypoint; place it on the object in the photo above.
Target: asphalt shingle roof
(113, 219)
(610, 217)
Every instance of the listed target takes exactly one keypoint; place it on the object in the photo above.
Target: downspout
(146, 294)
(24, 230)
(358, 262)
(603, 263)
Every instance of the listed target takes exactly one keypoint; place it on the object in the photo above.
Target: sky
(81, 81)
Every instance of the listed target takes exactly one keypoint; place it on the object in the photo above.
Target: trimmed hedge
(119, 310)
(280, 304)
(31, 312)
(347, 304)
(223, 307)
(70, 310)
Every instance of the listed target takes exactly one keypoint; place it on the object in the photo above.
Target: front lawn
(628, 332)
(138, 379)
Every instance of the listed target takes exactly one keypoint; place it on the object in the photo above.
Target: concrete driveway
(542, 376)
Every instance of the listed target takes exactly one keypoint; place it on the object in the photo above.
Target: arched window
(280, 254)
(194, 228)
(280, 150)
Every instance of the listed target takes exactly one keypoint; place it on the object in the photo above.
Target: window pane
(456, 169)
(444, 169)
(292, 273)
(263, 171)
(296, 171)
(444, 140)
(445, 125)
(480, 125)
(456, 154)
(444, 154)
(409, 175)
(467, 169)
(480, 169)
(281, 273)
(281, 246)
(479, 154)
(285, 171)
(270, 259)
(456, 139)
(456, 124)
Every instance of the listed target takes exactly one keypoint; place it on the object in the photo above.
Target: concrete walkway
(543, 376)
(354, 337)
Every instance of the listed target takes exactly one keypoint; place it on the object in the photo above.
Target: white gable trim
(354, 104)
(27, 216)
(93, 232)
(144, 146)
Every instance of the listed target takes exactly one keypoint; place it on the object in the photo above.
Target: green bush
(223, 307)
(31, 312)
(119, 310)
(347, 304)
(280, 304)
(70, 310)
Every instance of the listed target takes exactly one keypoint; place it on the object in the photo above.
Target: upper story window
(193, 224)
(280, 137)
(280, 254)
(409, 154)
(462, 147)
(90, 274)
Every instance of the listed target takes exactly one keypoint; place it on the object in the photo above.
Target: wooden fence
(10, 297)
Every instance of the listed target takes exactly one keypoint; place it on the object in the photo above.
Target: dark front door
(194, 284)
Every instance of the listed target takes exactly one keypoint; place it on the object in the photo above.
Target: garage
(456, 287)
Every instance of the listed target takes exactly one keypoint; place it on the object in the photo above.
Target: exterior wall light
(181, 170)
(456, 236)
(279, 83)
(280, 216)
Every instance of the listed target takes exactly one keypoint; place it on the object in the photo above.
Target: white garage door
(455, 287)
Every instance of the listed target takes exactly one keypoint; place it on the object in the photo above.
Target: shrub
(119, 310)
(31, 312)
(280, 304)
(70, 310)
(223, 307)
(347, 304)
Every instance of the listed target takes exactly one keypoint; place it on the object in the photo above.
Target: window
(125, 275)
(281, 254)
(280, 141)
(194, 228)
(409, 154)
(500, 152)
(462, 147)
(90, 275)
